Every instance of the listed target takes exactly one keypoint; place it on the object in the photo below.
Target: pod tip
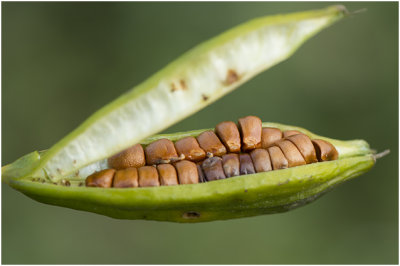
(381, 154)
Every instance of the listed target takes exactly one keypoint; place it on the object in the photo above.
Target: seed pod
(190, 148)
(131, 157)
(278, 159)
(229, 134)
(246, 165)
(148, 176)
(325, 150)
(288, 133)
(269, 135)
(187, 172)
(305, 146)
(103, 178)
(291, 153)
(212, 168)
(126, 178)
(160, 151)
(167, 175)
(211, 144)
(261, 160)
(231, 164)
(250, 131)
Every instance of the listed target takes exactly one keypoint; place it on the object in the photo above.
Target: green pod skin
(235, 197)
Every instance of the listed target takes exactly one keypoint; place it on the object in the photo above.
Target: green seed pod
(190, 83)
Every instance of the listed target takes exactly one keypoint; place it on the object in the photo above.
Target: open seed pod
(59, 176)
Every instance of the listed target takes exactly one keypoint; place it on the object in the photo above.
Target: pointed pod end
(381, 154)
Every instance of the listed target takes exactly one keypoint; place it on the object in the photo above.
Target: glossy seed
(305, 146)
(261, 160)
(250, 131)
(102, 178)
(131, 157)
(246, 164)
(190, 148)
(288, 133)
(229, 134)
(278, 159)
(148, 176)
(212, 168)
(167, 175)
(291, 153)
(325, 150)
(187, 172)
(269, 135)
(231, 164)
(126, 178)
(160, 151)
(211, 144)
(202, 177)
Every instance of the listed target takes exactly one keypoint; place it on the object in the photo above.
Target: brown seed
(187, 172)
(202, 177)
(250, 131)
(190, 148)
(167, 175)
(211, 144)
(231, 164)
(102, 178)
(131, 157)
(229, 134)
(212, 168)
(269, 135)
(325, 150)
(288, 133)
(246, 165)
(261, 160)
(291, 153)
(305, 146)
(278, 159)
(126, 178)
(160, 151)
(148, 176)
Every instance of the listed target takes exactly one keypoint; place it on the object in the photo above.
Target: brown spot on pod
(231, 77)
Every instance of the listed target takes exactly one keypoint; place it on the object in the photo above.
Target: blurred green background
(63, 61)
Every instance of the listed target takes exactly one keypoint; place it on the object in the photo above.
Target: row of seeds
(212, 156)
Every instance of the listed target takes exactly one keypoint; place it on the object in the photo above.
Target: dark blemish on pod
(205, 97)
(183, 84)
(173, 87)
(191, 215)
(231, 77)
(245, 190)
(284, 183)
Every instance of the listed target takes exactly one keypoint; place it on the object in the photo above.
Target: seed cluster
(232, 150)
